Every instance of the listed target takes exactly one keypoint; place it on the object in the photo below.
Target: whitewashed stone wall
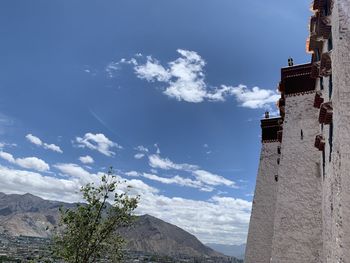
(260, 234)
(298, 217)
(339, 167)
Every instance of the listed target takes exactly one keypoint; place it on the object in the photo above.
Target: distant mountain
(236, 251)
(29, 215)
(156, 236)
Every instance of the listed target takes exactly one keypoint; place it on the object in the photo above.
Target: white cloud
(255, 98)
(217, 220)
(184, 80)
(75, 171)
(86, 159)
(21, 182)
(7, 156)
(139, 155)
(204, 177)
(156, 161)
(35, 140)
(33, 163)
(53, 147)
(179, 181)
(184, 76)
(132, 173)
(98, 142)
(152, 71)
(213, 179)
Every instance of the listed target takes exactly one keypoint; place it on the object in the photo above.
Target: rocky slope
(156, 236)
(28, 215)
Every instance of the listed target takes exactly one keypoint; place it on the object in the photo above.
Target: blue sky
(169, 93)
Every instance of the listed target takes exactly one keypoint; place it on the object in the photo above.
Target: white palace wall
(311, 199)
(339, 167)
(260, 234)
(298, 219)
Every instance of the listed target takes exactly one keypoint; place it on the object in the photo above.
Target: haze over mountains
(236, 251)
(29, 215)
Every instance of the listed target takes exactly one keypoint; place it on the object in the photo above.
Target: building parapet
(297, 80)
(269, 129)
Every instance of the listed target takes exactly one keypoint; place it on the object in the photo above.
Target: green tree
(88, 232)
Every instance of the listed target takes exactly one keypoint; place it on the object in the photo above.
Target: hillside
(154, 235)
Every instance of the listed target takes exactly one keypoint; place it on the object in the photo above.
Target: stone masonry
(261, 222)
(312, 196)
(298, 221)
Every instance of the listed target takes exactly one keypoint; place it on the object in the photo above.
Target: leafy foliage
(88, 232)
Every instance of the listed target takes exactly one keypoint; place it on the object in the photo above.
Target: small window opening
(327, 8)
(301, 134)
(278, 160)
(324, 164)
(330, 86)
(330, 140)
(317, 55)
(276, 177)
(330, 43)
(279, 149)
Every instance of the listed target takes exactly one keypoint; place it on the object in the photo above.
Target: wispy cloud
(184, 80)
(33, 163)
(139, 155)
(156, 161)
(141, 148)
(178, 180)
(6, 122)
(37, 141)
(4, 144)
(203, 177)
(132, 173)
(98, 142)
(213, 179)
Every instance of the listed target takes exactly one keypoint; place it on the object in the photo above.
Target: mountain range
(29, 215)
